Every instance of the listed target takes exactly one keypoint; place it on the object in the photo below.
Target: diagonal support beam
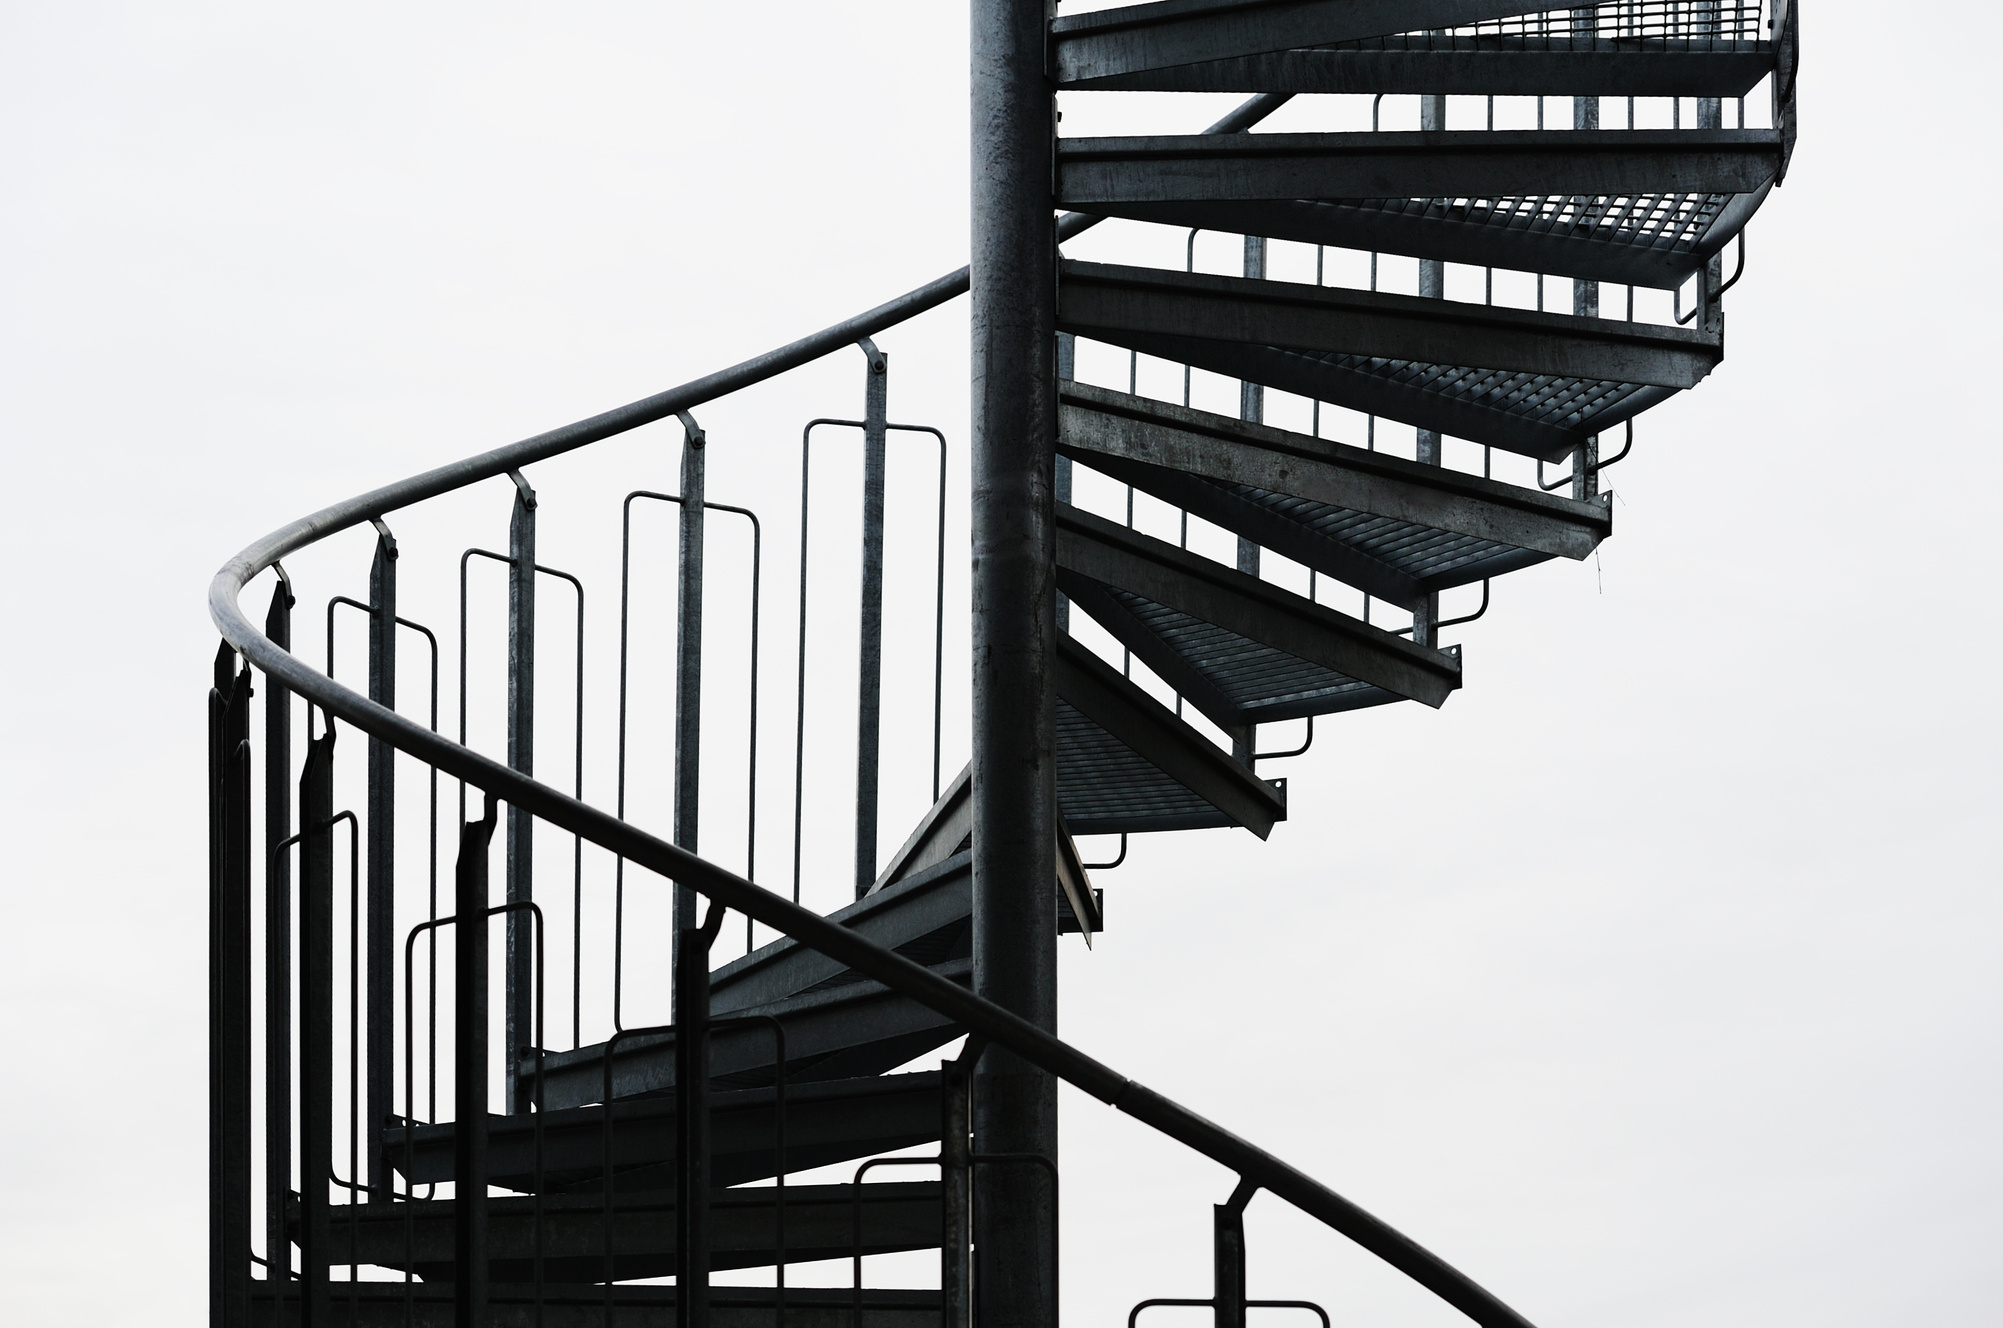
(1113, 303)
(1112, 555)
(1105, 175)
(1134, 38)
(1151, 731)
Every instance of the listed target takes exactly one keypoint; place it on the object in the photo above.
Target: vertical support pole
(229, 994)
(869, 664)
(277, 952)
(316, 1026)
(381, 822)
(469, 1074)
(1014, 326)
(955, 1195)
(1432, 286)
(520, 1014)
(1252, 408)
(1228, 1262)
(1067, 370)
(1711, 115)
(691, 939)
(1585, 294)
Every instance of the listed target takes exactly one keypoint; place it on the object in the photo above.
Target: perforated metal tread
(1392, 528)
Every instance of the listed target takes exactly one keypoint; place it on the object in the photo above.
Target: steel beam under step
(826, 1122)
(845, 1027)
(1116, 304)
(1110, 43)
(1253, 650)
(1126, 763)
(1104, 176)
(1393, 528)
(1657, 240)
(1497, 66)
(821, 1222)
(517, 1305)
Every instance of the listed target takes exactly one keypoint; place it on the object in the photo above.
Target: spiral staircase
(604, 1183)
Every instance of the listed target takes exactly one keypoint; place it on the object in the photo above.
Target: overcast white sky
(1653, 981)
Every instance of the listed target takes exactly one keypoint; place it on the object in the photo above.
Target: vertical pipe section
(1585, 294)
(381, 871)
(1014, 287)
(1432, 286)
(1228, 1261)
(469, 1074)
(691, 939)
(869, 664)
(316, 1025)
(1252, 408)
(277, 952)
(1067, 370)
(956, 1195)
(229, 994)
(521, 826)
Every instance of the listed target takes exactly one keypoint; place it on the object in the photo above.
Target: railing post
(381, 824)
(1432, 286)
(229, 994)
(277, 953)
(469, 1077)
(1013, 279)
(955, 1195)
(691, 939)
(1585, 294)
(1228, 1261)
(869, 664)
(316, 1025)
(519, 1024)
(1251, 408)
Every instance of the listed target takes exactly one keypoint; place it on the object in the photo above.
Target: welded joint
(382, 533)
(284, 581)
(1240, 1197)
(693, 431)
(879, 363)
(528, 495)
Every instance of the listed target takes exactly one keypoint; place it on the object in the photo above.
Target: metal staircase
(400, 1134)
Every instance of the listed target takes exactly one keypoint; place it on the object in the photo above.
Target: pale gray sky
(1652, 981)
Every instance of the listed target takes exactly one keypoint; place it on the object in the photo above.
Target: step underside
(515, 1305)
(748, 1228)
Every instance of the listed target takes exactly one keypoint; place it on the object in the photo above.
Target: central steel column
(1428, 450)
(1014, 283)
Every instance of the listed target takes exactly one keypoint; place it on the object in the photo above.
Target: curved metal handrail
(980, 1017)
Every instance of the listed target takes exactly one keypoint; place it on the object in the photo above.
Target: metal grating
(1687, 25)
(1420, 552)
(1105, 787)
(1559, 402)
(1655, 222)
(1263, 681)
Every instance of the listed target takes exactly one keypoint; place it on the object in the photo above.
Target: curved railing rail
(983, 1020)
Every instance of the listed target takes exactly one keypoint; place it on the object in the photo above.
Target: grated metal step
(821, 1222)
(1393, 528)
(826, 1121)
(514, 1305)
(1127, 764)
(1243, 650)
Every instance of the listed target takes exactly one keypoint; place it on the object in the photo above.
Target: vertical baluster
(1433, 286)
(1067, 371)
(1227, 1246)
(1585, 294)
(277, 955)
(382, 869)
(521, 756)
(229, 993)
(869, 663)
(691, 938)
(469, 1078)
(1251, 407)
(316, 1024)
